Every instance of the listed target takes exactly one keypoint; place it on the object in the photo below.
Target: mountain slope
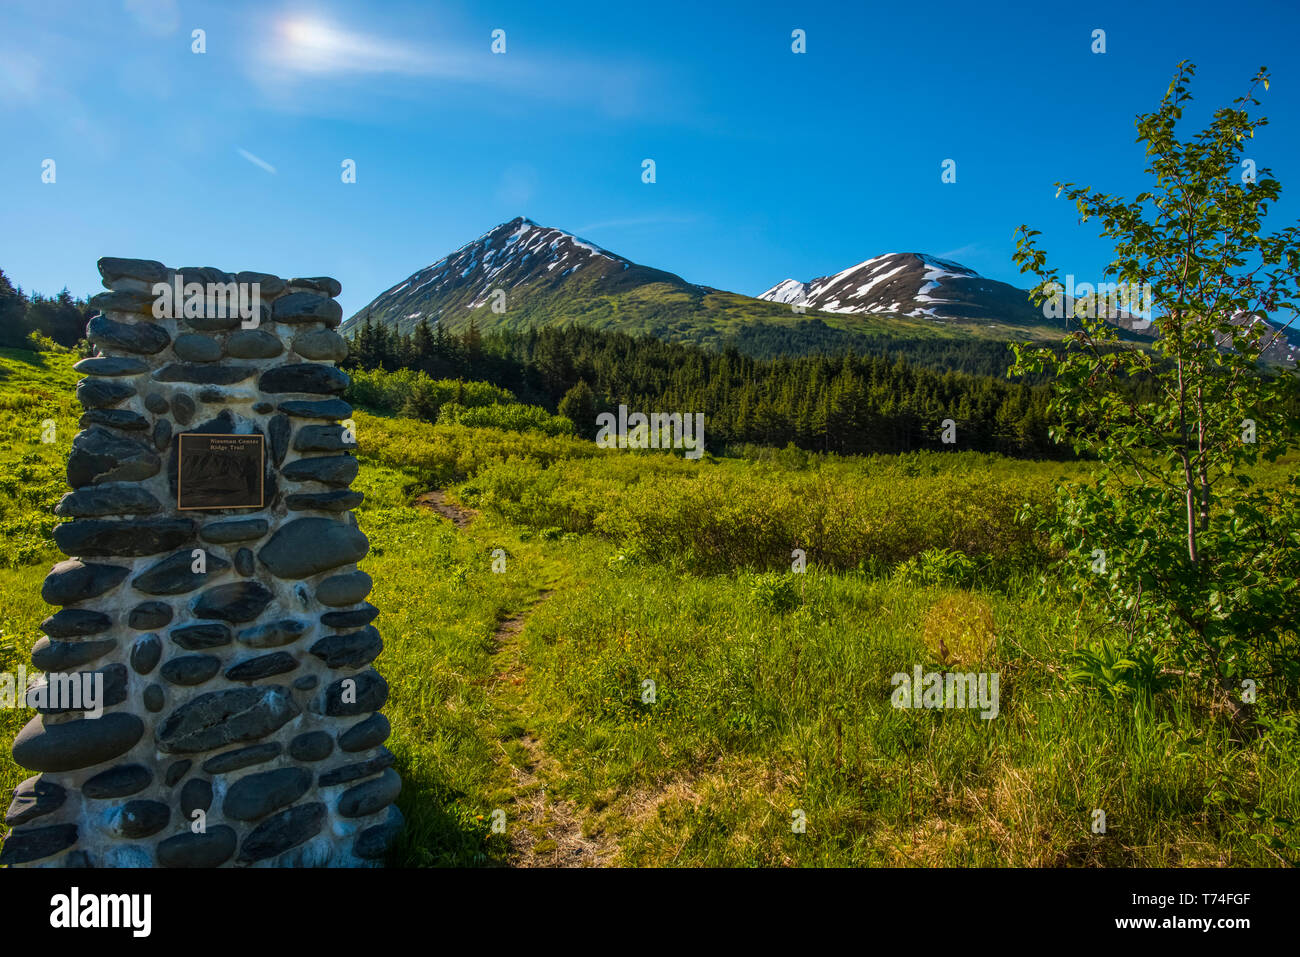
(917, 285)
(912, 284)
(523, 260)
(521, 274)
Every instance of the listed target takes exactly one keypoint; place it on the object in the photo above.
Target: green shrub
(1120, 671)
(413, 393)
(776, 592)
(939, 566)
(512, 416)
(722, 515)
(440, 455)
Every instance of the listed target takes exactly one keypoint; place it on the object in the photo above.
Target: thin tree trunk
(1189, 484)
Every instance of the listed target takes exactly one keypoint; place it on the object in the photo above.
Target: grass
(38, 418)
(35, 389)
(771, 688)
(760, 713)
(441, 603)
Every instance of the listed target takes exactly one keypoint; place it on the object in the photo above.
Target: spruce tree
(579, 407)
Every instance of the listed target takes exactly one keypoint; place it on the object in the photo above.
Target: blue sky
(769, 164)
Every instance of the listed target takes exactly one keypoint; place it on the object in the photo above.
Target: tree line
(767, 340)
(62, 318)
(847, 403)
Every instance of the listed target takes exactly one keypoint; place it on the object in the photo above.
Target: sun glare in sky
(314, 45)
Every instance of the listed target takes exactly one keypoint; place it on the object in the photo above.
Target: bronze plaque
(220, 471)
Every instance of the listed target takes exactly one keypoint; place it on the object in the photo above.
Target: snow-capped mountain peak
(911, 284)
(514, 254)
(787, 290)
(516, 261)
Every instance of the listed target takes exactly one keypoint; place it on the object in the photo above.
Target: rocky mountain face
(506, 266)
(911, 284)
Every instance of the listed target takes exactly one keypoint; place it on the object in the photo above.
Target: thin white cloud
(518, 185)
(21, 75)
(317, 46)
(159, 17)
(970, 249)
(308, 62)
(255, 160)
(311, 45)
(29, 86)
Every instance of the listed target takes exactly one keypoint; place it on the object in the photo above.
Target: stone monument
(211, 594)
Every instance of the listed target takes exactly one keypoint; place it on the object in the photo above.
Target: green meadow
(611, 659)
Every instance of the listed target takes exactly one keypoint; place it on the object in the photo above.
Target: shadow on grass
(443, 829)
(34, 359)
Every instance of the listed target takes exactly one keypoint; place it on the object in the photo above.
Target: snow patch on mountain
(787, 290)
(518, 255)
(908, 284)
